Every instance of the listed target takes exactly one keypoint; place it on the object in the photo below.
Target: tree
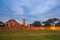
(50, 22)
(2, 23)
(57, 24)
(54, 20)
(36, 23)
(47, 23)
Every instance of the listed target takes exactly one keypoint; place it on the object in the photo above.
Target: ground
(29, 35)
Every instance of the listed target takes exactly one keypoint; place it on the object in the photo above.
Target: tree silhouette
(54, 20)
(51, 22)
(36, 23)
(47, 23)
(2, 23)
(57, 24)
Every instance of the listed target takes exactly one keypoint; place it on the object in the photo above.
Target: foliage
(36, 23)
(2, 23)
(57, 24)
(51, 22)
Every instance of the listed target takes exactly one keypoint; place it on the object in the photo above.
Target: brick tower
(24, 22)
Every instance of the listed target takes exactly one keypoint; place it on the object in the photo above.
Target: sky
(31, 10)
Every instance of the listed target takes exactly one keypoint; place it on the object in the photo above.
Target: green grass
(29, 35)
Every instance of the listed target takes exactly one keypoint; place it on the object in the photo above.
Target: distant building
(12, 23)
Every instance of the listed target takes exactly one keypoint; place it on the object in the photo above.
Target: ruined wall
(30, 28)
(13, 25)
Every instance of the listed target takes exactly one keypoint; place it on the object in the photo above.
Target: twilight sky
(31, 10)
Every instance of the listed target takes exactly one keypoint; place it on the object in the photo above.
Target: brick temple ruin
(14, 25)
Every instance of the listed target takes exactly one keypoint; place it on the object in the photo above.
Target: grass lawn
(29, 35)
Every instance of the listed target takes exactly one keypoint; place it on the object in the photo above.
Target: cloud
(44, 7)
(32, 7)
(14, 6)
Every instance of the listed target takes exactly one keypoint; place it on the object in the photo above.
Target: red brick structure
(24, 22)
(12, 24)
